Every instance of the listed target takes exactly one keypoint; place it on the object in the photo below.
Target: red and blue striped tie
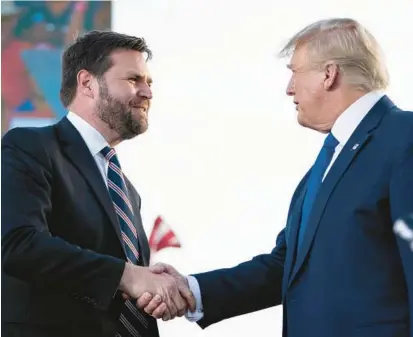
(133, 322)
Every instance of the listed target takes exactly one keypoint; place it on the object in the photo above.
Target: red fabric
(15, 83)
(162, 236)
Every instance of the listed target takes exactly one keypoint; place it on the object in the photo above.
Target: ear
(85, 83)
(331, 73)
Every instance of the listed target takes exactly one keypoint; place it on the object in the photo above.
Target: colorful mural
(34, 34)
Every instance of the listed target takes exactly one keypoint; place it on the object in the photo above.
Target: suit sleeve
(401, 203)
(29, 251)
(251, 286)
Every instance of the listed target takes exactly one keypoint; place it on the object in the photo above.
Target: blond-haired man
(338, 268)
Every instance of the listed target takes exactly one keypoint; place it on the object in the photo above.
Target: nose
(145, 92)
(290, 87)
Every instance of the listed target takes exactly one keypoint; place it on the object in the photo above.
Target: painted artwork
(34, 34)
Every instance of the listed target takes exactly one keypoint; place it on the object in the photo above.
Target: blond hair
(349, 45)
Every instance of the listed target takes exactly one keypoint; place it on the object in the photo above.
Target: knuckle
(157, 313)
(153, 304)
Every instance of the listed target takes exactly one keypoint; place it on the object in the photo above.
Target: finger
(188, 296)
(170, 303)
(172, 308)
(160, 311)
(158, 268)
(166, 318)
(144, 300)
(169, 269)
(167, 315)
(182, 307)
(152, 305)
(179, 302)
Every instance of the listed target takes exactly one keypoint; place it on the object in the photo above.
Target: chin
(143, 124)
(143, 128)
(301, 120)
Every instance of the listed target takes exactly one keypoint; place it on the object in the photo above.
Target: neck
(110, 136)
(343, 100)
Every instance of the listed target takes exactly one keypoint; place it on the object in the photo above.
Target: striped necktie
(132, 322)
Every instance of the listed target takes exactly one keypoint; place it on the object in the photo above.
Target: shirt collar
(348, 121)
(93, 139)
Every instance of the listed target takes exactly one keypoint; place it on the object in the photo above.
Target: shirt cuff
(199, 311)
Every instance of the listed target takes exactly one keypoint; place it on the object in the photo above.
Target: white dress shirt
(342, 130)
(94, 141)
(348, 121)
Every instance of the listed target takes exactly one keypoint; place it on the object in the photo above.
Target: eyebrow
(140, 77)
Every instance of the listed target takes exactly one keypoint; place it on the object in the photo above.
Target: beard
(118, 115)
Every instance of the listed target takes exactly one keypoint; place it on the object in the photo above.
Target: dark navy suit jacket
(62, 251)
(352, 277)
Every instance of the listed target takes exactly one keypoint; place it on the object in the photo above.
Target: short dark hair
(92, 52)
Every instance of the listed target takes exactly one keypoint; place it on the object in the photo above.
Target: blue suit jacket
(353, 277)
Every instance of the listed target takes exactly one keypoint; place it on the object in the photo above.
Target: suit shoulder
(28, 136)
(33, 142)
(398, 126)
(402, 119)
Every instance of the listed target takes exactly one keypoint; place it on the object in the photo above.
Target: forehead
(299, 57)
(131, 60)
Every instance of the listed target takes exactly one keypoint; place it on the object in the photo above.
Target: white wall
(224, 153)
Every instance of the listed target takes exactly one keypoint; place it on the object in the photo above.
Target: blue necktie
(133, 322)
(314, 182)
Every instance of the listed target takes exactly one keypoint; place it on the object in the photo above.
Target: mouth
(141, 108)
(296, 105)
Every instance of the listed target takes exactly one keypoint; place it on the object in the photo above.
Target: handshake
(160, 290)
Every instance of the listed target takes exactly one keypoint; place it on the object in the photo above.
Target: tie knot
(330, 141)
(108, 153)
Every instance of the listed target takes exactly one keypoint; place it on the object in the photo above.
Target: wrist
(128, 280)
(186, 280)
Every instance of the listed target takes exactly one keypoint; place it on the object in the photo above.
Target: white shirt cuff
(199, 312)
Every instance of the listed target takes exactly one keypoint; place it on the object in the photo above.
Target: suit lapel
(293, 224)
(80, 156)
(143, 243)
(353, 147)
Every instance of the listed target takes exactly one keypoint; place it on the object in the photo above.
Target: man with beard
(74, 252)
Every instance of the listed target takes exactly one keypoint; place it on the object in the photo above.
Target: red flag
(162, 236)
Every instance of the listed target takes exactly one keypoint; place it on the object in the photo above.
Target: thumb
(158, 268)
(188, 296)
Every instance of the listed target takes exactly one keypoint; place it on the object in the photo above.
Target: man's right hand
(171, 296)
(157, 309)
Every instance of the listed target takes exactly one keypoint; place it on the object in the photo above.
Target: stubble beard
(118, 116)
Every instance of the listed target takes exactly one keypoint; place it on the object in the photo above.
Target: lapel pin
(355, 146)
